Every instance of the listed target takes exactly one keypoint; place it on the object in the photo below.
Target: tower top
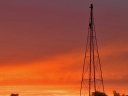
(91, 6)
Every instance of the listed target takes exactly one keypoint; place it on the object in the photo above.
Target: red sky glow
(42, 45)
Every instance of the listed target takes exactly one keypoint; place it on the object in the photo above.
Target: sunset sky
(42, 45)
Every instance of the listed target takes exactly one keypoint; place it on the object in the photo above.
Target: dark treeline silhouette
(118, 94)
(97, 93)
(14, 94)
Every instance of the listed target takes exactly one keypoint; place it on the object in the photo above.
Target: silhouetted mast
(92, 79)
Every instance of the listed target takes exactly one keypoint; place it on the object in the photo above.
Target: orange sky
(42, 45)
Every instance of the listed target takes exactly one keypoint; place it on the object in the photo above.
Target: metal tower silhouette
(92, 79)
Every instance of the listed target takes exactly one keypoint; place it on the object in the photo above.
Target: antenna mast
(92, 79)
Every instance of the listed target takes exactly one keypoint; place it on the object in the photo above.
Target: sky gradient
(42, 42)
